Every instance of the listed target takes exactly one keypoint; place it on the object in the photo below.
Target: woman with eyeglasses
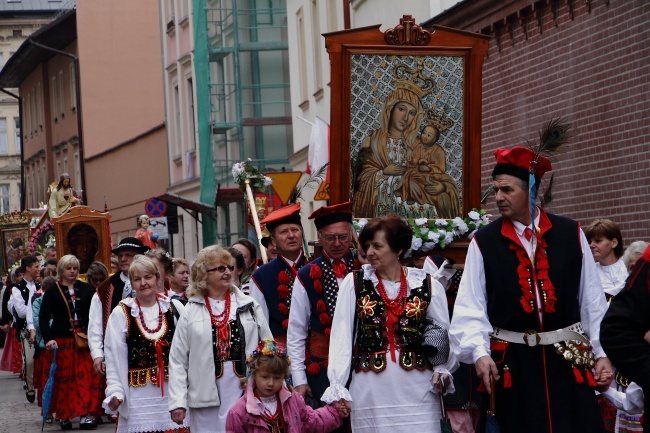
(219, 328)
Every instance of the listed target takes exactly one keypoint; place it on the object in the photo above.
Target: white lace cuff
(451, 388)
(107, 400)
(336, 392)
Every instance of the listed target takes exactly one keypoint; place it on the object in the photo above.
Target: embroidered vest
(369, 353)
(235, 354)
(142, 359)
(275, 280)
(503, 286)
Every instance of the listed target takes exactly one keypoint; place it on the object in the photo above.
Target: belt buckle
(529, 340)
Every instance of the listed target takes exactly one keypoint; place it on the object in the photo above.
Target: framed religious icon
(14, 227)
(406, 120)
(84, 233)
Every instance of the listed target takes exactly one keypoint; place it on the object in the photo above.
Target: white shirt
(442, 274)
(613, 277)
(298, 330)
(24, 309)
(96, 325)
(470, 327)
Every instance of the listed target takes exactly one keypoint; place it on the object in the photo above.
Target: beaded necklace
(395, 308)
(218, 320)
(142, 322)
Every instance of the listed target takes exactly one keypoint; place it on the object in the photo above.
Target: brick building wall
(585, 61)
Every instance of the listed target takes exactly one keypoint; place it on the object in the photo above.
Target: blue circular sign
(155, 208)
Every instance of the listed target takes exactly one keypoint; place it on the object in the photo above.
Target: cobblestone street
(17, 415)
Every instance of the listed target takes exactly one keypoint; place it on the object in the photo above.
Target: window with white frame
(18, 132)
(4, 148)
(61, 95)
(73, 88)
(316, 47)
(190, 113)
(302, 54)
(177, 126)
(55, 99)
(4, 198)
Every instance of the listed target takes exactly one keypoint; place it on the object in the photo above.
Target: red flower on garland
(283, 278)
(416, 308)
(285, 323)
(366, 307)
(320, 306)
(283, 309)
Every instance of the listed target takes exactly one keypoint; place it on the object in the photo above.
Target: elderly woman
(78, 389)
(136, 347)
(606, 243)
(381, 314)
(632, 254)
(219, 328)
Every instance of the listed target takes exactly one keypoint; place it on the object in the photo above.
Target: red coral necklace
(142, 322)
(219, 320)
(395, 306)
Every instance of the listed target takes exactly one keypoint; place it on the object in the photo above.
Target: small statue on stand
(148, 238)
(62, 197)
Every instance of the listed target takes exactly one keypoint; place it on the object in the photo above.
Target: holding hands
(342, 407)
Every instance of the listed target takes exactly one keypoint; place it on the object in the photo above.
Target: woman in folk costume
(381, 314)
(11, 354)
(136, 348)
(78, 389)
(381, 162)
(218, 329)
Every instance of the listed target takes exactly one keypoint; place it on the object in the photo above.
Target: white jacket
(192, 381)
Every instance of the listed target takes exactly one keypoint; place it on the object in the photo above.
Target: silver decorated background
(372, 80)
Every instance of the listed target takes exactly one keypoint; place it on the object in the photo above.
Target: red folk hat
(519, 161)
(285, 215)
(335, 213)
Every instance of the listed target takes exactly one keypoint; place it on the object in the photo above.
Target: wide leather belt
(533, 338)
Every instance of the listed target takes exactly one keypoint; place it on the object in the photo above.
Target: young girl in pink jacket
(267, 404)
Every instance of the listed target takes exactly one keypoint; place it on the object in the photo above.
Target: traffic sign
(155, 208)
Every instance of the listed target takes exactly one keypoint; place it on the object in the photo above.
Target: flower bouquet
(245, 170)
(431, 233)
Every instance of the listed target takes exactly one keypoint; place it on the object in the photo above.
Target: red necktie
(528, 233)
(340, 268)
(294, 269)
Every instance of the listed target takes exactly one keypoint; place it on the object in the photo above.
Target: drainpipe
(77, 86)
(22, 151)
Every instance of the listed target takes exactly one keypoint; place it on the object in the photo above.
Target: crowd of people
(352, 340)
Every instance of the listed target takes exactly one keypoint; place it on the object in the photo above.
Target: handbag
(80, 338)
(435, 343)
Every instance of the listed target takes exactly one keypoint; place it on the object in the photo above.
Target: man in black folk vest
(529, 297)
(271, 283)
(314, 298)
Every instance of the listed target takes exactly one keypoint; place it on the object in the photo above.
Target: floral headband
(268, 347)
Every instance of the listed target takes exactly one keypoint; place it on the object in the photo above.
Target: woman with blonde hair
(219, 328)
(136, 347)
(78, 389)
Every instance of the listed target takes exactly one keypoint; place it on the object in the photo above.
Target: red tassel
(507, 378)
(283, 291)
(320, 306)
(578, 376)
(591, 381)
(325, 319)
(283, 278)
(327, 331)
(318, 287)
(315, 272)
(283, 309)
(313, 369)
(285, 323)
(481, 387)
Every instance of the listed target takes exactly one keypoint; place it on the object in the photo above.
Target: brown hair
(608, 229)
(270, 363)
(198, 274)
(397, 231)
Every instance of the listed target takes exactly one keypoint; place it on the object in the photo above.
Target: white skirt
(213, 419)
(148, 411)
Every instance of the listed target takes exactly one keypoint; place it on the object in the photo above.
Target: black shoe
(65, 424)
(31, 396)
(87, 422)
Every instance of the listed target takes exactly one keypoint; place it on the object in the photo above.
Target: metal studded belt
(533, 338)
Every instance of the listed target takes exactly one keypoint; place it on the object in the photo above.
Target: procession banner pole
(256, 221)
